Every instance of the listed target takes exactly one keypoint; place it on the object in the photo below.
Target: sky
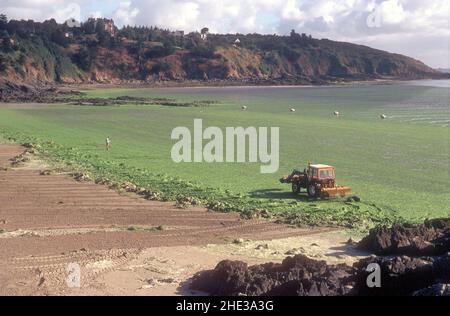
(416, 28)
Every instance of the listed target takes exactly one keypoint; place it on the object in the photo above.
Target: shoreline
(224, 82)
(210, 85)
(239, 84)
(14, 92)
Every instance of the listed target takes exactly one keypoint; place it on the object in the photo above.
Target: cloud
(395, 25)
(125, 13)
(38, 9)
(96, 14)
(392, 12)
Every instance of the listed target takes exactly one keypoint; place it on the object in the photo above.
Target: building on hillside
(178, 33)
(72, 23)
(96, 24)
(110, 27)
(204, 33)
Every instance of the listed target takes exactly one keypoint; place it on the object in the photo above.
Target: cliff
(54, 53)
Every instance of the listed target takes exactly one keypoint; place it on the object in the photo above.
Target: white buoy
(383, 116)
(336, 113)
(292, 110)
(244, 108)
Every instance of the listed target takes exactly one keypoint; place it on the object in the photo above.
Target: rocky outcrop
(301, 276)
(400, 275)
(10, 90)
(296, 275)
(430, 238)
(14, 92)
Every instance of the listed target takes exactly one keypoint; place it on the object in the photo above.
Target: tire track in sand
(84, 223)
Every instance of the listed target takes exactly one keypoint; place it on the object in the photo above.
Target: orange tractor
(318, 180)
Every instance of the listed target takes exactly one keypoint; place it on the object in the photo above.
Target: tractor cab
(321, 172)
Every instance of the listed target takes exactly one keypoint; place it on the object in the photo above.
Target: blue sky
(416, 28)
(107, 8)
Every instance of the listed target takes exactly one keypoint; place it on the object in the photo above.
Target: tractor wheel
(312, 191)
(295, 187)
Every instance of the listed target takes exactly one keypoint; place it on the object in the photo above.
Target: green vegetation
(398, 169)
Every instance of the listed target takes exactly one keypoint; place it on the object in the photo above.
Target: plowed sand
(50, 221)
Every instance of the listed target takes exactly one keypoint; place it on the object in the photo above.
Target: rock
(80, 176)
(41, 282)
(228, 278)
(153, 196)
(430, 238)
(168, 281)
(187, 201)
(20, 159)
(161, 228)
(28, 145)
(129, 187)
(296, 275)
(301, 276)
(238, 241)
(353, 198)
(103, 181)
(295, 251)
(401, 275)
(438, 289)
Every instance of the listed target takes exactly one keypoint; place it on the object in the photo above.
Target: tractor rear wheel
(312, 191)
(295, 187)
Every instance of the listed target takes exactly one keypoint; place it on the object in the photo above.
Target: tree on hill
(6, 44)
(4, 34)
(104, 38)
(3, 63)
(3, 20)
(84, 59)
(59, 38)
